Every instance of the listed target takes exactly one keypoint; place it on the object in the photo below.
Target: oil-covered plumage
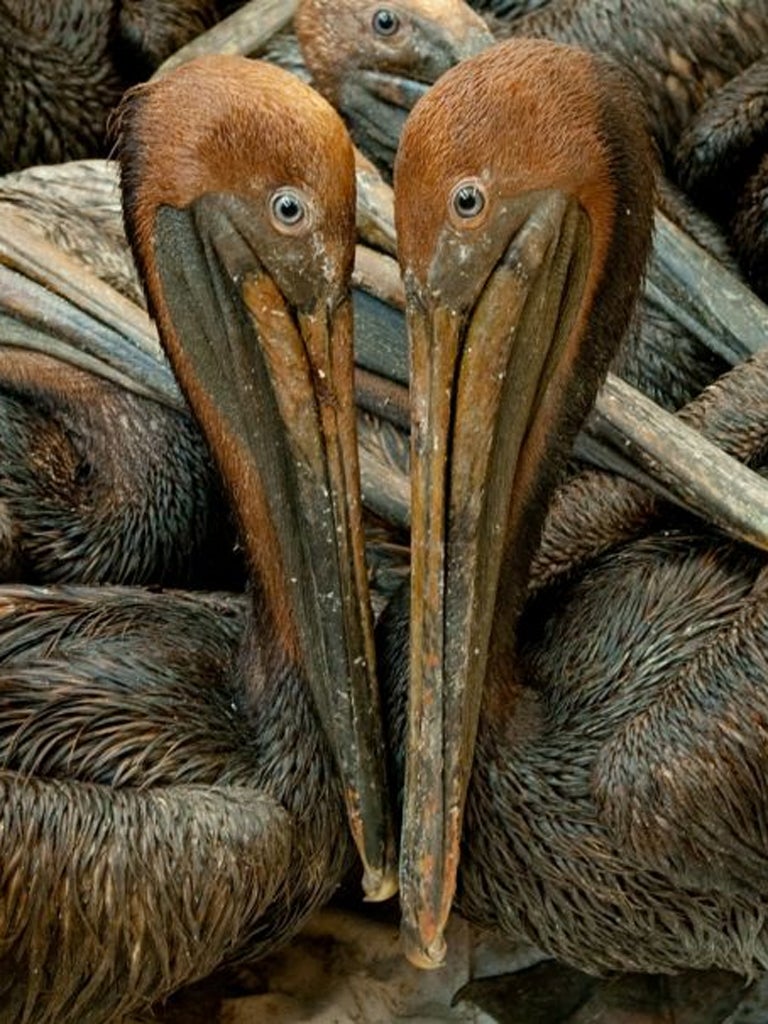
(176, 767)
(720, 159)
(97, 484)
(100, 482)
(616, 805)
(102, 485)
(509, 9)
(726, 138)
(749, 229)
(679, 53)
(142, 766)
(66, 63)
(633, 766)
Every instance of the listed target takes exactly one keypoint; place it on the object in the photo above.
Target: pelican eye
(288, 209)
(385, 22)
(468, 200)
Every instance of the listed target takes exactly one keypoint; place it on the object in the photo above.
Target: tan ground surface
(346, 968)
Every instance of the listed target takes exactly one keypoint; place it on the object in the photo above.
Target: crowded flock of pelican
(383, 405)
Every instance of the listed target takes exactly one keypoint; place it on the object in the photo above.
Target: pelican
(374, 75)
(370, 61)
(174, 768)
(589, 762)
(66, 521)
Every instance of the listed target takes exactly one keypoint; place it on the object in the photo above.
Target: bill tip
(427, 956)
(379, 884)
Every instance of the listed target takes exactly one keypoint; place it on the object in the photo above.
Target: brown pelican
(374, 76)
(615, 811)
(104, 476)
(370, 59)
(105, 483)
(169, 797)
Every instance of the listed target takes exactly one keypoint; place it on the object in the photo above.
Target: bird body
(721, 160)
(66, 63)
(102, 485)
(609, 731)
(680, 53)
(177, 767)
(623, 780)
(209, 796)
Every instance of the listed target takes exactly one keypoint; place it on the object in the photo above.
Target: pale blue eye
(288, 207)
(468, 200)
(385, 22)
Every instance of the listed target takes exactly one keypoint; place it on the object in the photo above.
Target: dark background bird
(721, 159)
(64, 64)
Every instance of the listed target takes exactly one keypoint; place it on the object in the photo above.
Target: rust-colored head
(239, 203)
(251, 131)
(367, 57)
(523, 205)
(533, 115)
(244, 127)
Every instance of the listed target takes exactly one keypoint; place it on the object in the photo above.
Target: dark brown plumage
(168, 787)
(721, 160)
(101, 485)
(749, 229)
(679, 54)
(616, 806)
(99, 482)
(64, 65)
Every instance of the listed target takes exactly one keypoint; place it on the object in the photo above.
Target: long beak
(627, 433)
(376, 106)
(272, 379)
(482, 379)
(693, 288)
(53, 304)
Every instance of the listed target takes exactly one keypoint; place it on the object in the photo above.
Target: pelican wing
(128, 800)
(151, 889)
(685, 783)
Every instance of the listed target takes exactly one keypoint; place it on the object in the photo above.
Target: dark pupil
(385, 22)
(288, 209)
(468, 201)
